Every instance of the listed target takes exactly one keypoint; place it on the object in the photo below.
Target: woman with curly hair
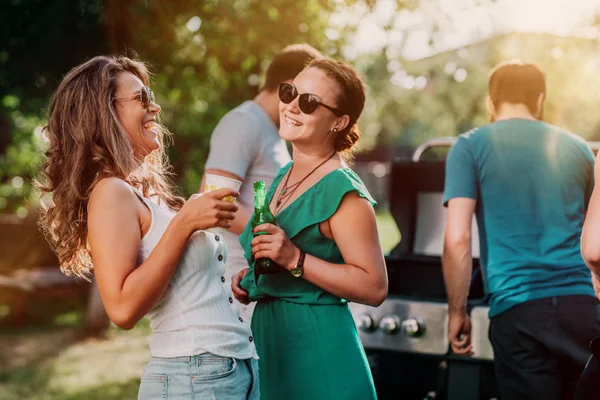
(109, 207)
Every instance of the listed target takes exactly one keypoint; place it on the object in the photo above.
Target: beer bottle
(263, 215)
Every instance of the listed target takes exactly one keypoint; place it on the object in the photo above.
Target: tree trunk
(118, 26)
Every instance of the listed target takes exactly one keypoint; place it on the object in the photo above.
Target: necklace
(287, 191)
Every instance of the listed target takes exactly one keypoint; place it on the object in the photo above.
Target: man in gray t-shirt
(246, 146)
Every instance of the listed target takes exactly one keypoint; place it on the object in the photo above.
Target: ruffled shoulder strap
(321, 201)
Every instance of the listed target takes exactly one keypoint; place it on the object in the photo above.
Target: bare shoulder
(354, 205)
(355, 201)
(110, 191)
(354, 218)
(112, 210)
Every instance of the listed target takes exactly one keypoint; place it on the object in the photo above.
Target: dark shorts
(541, 346)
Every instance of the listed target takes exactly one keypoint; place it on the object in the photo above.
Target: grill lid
(416, 191)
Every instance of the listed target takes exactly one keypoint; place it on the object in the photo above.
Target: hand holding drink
(205, 211)
(214, 182)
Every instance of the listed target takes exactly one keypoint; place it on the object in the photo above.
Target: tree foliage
(444, 95)
(206, 57)
(39, 42)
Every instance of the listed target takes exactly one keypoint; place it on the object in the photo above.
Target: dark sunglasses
(307, 103)
(145, 96)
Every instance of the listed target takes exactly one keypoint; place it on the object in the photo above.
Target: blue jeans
(205, 376)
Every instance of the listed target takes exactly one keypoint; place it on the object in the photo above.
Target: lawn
(58, 368)
(389, 235)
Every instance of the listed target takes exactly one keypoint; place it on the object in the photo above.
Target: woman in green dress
(326, 244)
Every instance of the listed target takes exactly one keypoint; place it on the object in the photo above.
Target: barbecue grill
(405, 338)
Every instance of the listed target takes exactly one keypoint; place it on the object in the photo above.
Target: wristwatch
(298, 269)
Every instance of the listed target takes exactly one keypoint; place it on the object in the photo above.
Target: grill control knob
(389, 324)
(365, 322)
(413, 327)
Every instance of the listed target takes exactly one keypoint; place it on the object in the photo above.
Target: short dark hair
(516, 82)
(288, 63)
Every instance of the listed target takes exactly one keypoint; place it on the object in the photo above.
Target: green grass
(93, 369)
(43, 383)
(389, 234)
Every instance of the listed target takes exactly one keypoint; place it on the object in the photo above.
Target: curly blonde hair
(86, 143)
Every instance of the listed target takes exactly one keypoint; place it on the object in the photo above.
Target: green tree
(39, 42)
(444, 95)
(207, 56)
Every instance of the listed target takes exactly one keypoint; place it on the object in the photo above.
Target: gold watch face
(296, 271)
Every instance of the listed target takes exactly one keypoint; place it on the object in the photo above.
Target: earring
(334, 130)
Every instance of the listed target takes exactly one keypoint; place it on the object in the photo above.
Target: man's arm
(243, 214)
(457, 260)
(234, 145)
(457, 264)
(460, 195)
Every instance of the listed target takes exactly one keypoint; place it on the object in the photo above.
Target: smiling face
(139, 122)
(315, 128)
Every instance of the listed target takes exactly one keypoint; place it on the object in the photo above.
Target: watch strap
(300, 263)
(298, 269)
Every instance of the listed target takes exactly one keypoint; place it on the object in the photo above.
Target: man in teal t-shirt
(528, 183)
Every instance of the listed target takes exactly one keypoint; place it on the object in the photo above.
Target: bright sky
(460, 22)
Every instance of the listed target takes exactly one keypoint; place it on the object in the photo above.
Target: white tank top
(197, 313)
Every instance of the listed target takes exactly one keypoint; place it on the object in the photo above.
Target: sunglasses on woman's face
(145, 96)
(307, 103)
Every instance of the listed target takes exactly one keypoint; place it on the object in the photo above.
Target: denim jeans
(205, 376)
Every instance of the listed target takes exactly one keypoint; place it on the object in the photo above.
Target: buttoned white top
(197, 313)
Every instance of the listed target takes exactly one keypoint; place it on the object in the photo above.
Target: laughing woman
(112, 210)
(326, 243)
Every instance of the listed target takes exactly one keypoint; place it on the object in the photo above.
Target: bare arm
(457, 260)
(127, 292)
(590, 238)
(362, 279)
(234, 145)
(243, 214)
(457, 264)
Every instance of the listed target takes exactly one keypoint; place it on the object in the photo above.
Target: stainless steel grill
(404, 325)
(406, 337)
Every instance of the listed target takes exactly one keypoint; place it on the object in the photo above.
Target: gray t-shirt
(246, 143)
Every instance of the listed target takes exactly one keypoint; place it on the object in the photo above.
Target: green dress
(306, 338)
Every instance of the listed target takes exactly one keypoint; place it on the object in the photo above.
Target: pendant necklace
(288, 191)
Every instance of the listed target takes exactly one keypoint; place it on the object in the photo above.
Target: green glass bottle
(263, 215)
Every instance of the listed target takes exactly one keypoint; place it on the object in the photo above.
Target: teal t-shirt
(532, 182)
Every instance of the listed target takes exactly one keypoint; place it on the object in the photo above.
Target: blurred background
(425, 63)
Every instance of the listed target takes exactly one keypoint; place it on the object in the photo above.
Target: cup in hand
(214, 182)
